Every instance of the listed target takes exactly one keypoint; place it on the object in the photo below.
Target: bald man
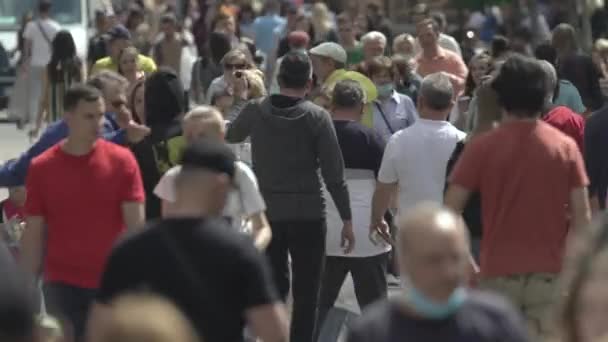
(433, 249)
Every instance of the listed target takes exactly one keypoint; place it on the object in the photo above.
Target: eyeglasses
(234, 66)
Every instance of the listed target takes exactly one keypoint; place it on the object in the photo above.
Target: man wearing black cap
(291, 139)
(119, 38)
(213, 274)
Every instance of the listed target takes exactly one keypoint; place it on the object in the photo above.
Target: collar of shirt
(439, 56)
(395, 97)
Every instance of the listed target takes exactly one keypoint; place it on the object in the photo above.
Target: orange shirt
(525, 171)
(446, 61)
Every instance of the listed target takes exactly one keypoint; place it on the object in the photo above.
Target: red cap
(298, 39)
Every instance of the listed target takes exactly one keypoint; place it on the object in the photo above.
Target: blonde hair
(255, 78)
(320, 18)
(404, 38)
(601, 45)
(209, 116)
(144, 318)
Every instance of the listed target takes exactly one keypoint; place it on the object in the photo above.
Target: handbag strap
(46, 37)
(388, 125)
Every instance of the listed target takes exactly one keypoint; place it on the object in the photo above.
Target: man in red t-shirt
(81, 195)
(561, 117)
(532, 182)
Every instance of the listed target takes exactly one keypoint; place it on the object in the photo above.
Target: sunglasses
(118, 103)
(234, 66)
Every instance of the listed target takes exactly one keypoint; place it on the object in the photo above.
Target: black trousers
(305, 242)
(70, 305)
(369, 279)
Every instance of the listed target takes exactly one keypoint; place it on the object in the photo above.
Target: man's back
(212, 274)
(416, 158)
(291, 139)
(41, 33)
(264, 28)
(481, 318)
(525, 171)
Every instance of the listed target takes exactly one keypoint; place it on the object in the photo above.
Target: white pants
(35, 76)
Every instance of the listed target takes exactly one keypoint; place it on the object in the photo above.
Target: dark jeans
(305, 242)
(369, 279)
(69, 304)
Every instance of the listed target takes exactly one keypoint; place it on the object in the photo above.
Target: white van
(72, 15)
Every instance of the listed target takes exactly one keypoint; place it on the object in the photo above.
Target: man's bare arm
(382, 200)
(133, 214)
(269, 322)
(580, 209)
(456, 198)
(32, 245)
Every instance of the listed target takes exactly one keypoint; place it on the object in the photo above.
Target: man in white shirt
(415, 158)
(38, 35)
(245, 207)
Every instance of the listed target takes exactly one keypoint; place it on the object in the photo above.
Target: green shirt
(355, 55)
(569, 96)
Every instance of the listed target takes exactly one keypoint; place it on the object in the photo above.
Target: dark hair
(64, 66)
(246, 8)
(77, 93)
(139, 84)
(168, 18)
(440, 19)
(546, 52)
(219, 46)
(347, 94)
(520, 86)
(379, 65)
(135, 11)
(295, 71)
(344, 17)
(44, 6)
(500, 46)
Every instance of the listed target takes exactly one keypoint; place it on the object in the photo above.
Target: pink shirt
(446, 61)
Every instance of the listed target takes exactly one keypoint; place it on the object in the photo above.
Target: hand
(383, 230)
(348, 237)
(136, 132)
(240, 86)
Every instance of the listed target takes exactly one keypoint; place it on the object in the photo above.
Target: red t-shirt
(80, 199)
(525, 172)
(569, 122)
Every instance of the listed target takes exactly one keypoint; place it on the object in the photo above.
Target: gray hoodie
(291, 139)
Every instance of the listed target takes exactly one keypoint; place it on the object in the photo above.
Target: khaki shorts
(535, 295)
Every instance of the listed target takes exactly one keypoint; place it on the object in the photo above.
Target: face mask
(385, 90)
(431, 309)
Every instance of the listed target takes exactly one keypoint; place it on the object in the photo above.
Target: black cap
(119, 32)
(211, 155)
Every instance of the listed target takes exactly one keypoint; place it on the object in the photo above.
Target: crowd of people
(221, 187)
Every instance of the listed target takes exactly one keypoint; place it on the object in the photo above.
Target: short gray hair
(373, 35)
(437, 91)
(348, 94)
(107, 78)
(550, 79)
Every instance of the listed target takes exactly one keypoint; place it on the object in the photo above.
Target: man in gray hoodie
(291, 139)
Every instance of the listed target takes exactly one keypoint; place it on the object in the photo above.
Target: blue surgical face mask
(385, 90)
(430, 309)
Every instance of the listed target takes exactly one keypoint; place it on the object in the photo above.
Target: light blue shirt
(393, 114)
(264, 29)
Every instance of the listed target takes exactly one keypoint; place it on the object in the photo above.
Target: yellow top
(369, 89)
(146, 64)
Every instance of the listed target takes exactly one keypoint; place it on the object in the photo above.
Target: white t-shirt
(360, 191)
(243, 201)
(41, 48)
(416, 158)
